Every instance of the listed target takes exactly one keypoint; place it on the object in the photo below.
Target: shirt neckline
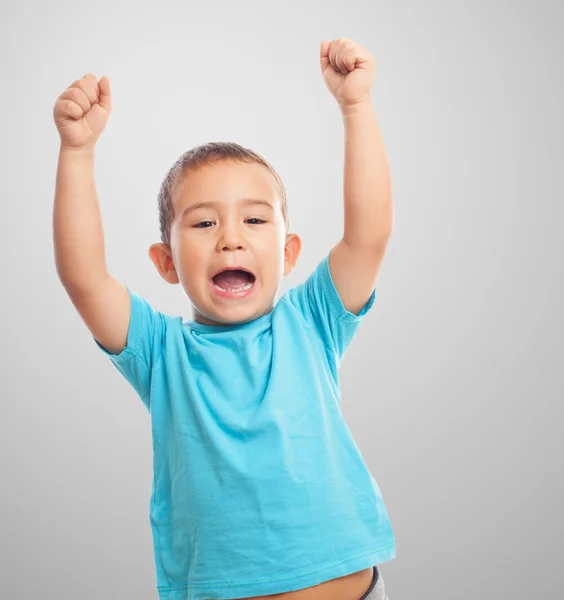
(207, 328)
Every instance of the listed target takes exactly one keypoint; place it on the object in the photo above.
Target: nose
(231, 238)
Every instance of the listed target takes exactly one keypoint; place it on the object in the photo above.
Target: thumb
(105, 99)
(324, 54)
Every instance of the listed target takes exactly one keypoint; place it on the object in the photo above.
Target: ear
(161, 257)
(292, 251)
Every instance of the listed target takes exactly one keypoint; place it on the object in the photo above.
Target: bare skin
(349, 587)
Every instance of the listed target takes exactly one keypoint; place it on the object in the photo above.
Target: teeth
(239, 289)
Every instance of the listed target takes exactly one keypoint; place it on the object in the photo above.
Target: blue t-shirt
(259, 487)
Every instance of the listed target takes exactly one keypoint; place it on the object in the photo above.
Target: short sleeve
(144, 346)
(317, 298)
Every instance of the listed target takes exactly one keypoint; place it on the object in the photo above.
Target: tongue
(232, 281)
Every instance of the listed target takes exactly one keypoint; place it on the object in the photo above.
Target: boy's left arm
(348, 70)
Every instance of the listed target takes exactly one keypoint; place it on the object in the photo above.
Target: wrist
(78, 151)
(358, 108)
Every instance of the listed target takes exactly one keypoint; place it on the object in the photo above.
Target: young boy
(259, 489)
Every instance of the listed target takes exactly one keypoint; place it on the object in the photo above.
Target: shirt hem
(265, 586)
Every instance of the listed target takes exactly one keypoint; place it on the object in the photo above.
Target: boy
(259, 490)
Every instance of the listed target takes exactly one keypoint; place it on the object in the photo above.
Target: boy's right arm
(103, 302)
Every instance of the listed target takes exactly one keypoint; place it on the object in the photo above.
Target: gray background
(453, 387)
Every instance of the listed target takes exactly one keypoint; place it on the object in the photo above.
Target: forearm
(367, 181)
(77, 223)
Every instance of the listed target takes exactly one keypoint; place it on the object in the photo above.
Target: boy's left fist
(348, 70)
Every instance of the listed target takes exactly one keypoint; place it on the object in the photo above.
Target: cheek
(272, 257)
(273, 239)
(194, 255)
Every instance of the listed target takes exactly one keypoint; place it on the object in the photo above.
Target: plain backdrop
(453, 387)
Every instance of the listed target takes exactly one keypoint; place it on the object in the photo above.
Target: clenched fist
(82, 111)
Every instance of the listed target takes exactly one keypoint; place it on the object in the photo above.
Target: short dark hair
(205, 154)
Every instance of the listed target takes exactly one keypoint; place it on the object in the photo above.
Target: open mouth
(234, 281)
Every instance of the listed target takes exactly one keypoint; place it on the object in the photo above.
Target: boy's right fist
(82, 111)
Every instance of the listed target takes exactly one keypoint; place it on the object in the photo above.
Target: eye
(255, 219)
(201, 225)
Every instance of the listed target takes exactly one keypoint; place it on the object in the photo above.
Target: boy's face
(228, 232)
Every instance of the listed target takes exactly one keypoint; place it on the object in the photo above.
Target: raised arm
(77, 223)
(348, 70)
(81, 114)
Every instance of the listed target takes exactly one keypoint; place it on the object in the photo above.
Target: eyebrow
(213, 204)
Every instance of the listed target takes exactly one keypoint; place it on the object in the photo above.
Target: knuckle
(75, 93)
(82, 84)
(79, 96)
(69, 107)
